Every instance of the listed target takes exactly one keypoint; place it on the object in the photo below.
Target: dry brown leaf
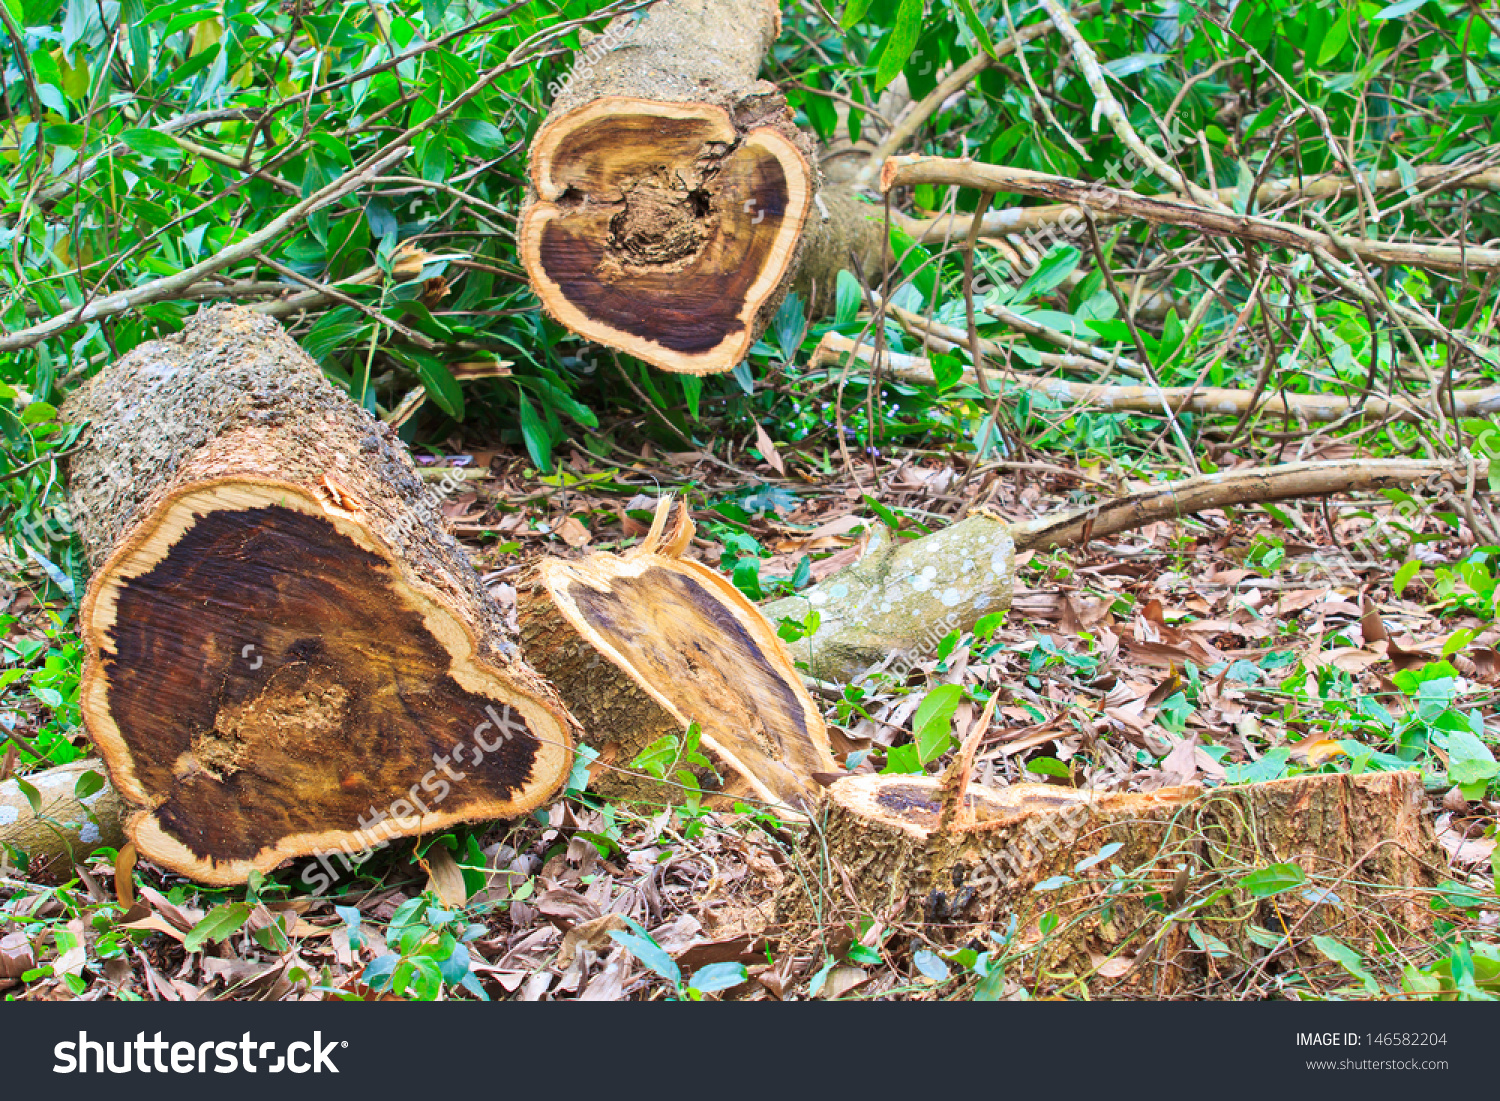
(841, 980)
(16, 956)
(184, 917)
(572, 532)
(592, 934)
(767, 449)
(154, 923)
(445, 878)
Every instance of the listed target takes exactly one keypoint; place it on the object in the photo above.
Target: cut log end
(663, 230)
(642, 645)
(283, 660)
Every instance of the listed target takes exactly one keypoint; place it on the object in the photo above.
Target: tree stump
(286, 654)
(1138, 894)
(642, 644)
(669, 187)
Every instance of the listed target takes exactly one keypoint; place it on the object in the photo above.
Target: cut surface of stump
(1138, 894)
(642, 644)
(286, 654)
(669, 188)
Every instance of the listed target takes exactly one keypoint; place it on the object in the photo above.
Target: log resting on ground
(904, 596)
(283, 646)
(73, 817)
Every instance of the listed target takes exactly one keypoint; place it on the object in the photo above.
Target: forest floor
(1227, 647)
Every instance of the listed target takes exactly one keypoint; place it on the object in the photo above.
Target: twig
(1105, 104)
(159, 290)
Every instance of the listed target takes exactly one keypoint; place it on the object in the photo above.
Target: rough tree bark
(67, 823)
(672, 200)
(901, 851)
(283, 646)
(644, 643)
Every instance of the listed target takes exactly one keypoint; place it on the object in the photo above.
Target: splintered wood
(643, 644)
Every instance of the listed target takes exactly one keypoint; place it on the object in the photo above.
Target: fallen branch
(71, 818)
(902, 593)
(1206, 400)
(1167, 211)
(1027, 219)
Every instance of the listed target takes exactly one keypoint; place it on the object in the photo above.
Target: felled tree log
(642, 644)
(1173, 865)
(73, 816)
(670, 188)
(902, 596)
(906, 596)
(672, 201)
(285, 652)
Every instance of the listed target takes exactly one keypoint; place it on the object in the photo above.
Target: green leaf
(437, 380)
(947, 371)
(902, 761)
(988, 625)
(887, 517)
(658, 757)
(853, 12)
(33, 797)
(534, 432)
(1347, 958)
(1338, 35)
(1398, 9)
(718, 976)
(649, 953)
(1050, 273)
(38, 412)
(87, 784)
(483, 135)
(899, 43)
(1099, 857)
(930, 964)
(1048, 766)
(218, 924)
(150, 143)
(1404, 575)
(849, 297)
(932, 727)
(991, 988)
(1469, 760)
(1272, 880)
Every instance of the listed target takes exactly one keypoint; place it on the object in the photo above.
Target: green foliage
(429, 954)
